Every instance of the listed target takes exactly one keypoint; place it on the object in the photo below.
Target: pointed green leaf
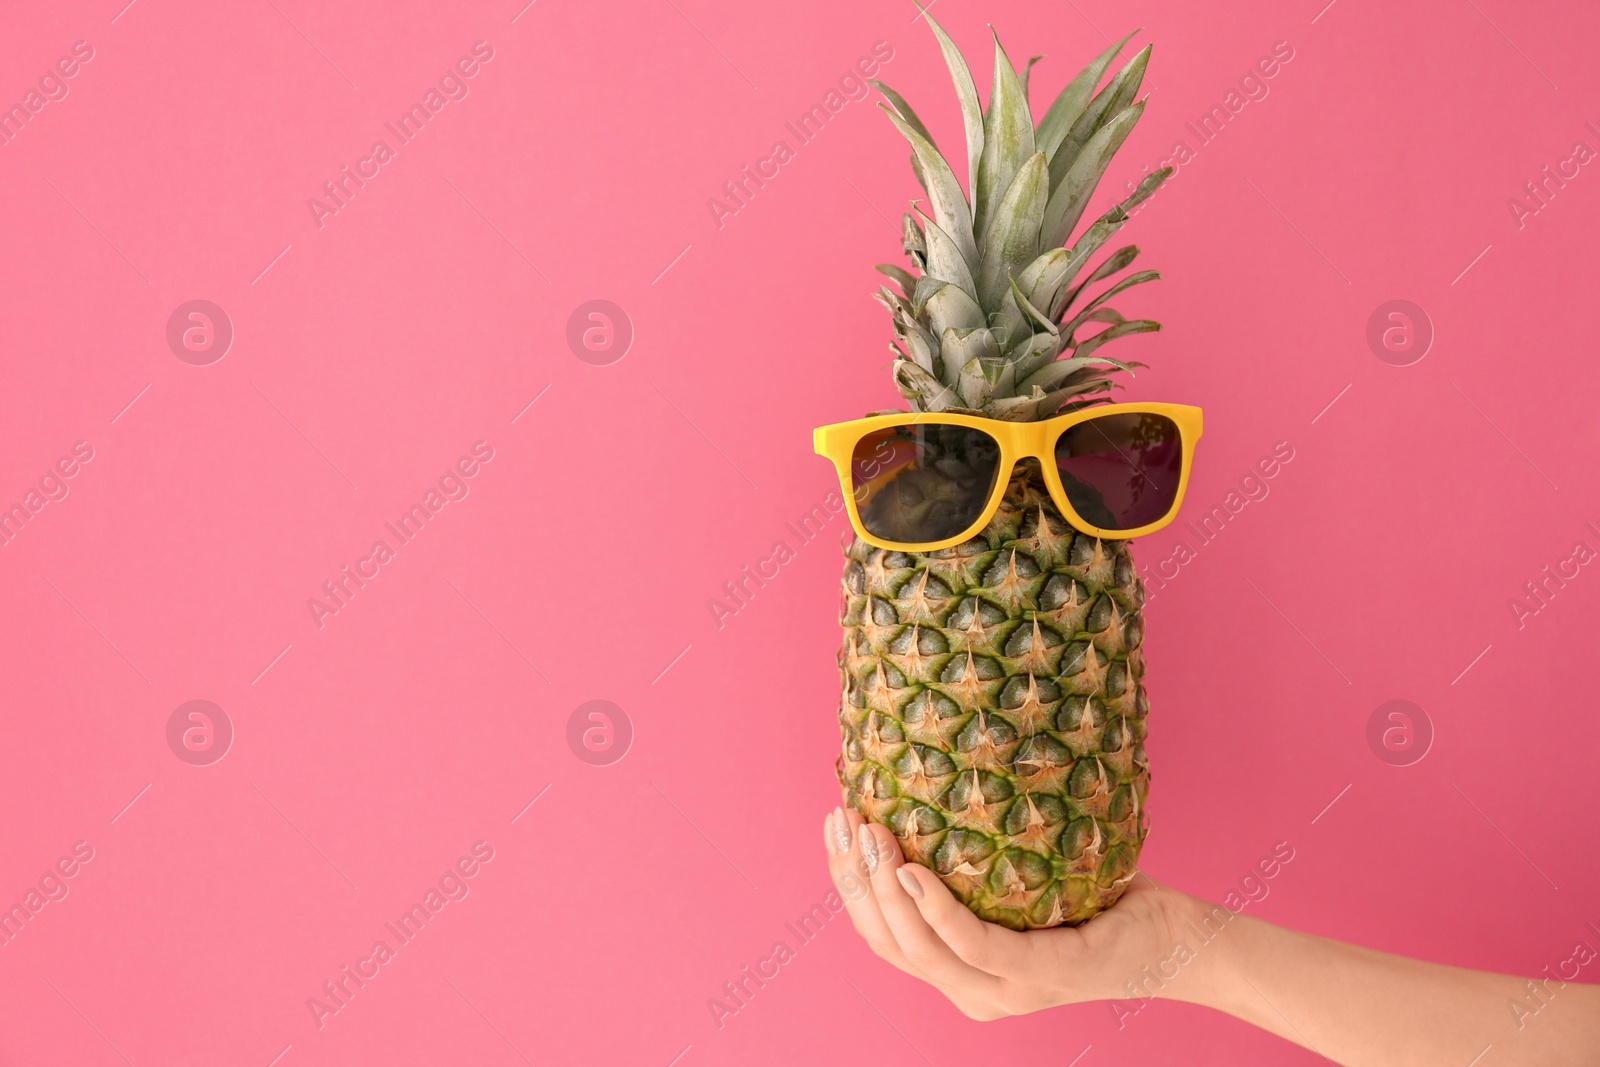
(967, 350)
(911, 235)
(1013, 239)
(1041, 349)
(1023, 74)
(898, 102)
(902, 277)
(1007, 140)
(892, 300)
(1012, 408)
(1041, 405)
(1009, 324)
(925, 392)
(973, 386)
(1084, 312)
(967, 94)
(1111, 333)
(1087, 245)
(1041, 282)
(1118, 94)
(1091, 239)
(986, 377)
(1031, 276)
(948, 307)
(996, 371)
(923, 360)
(1114, 262)
(911, 241)
(900, 105)
(1069, 104)
(967, 343)
(1105, 314)
(921, 347)
(1056, 374)
(1075, 395)
(949, 205)
(1035, 319)
(1069, 199)
(944, 259)
(1147, 186)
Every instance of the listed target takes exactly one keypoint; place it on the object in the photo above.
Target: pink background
(372, 352)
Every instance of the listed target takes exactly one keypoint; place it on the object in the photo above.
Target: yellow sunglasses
(922, 481)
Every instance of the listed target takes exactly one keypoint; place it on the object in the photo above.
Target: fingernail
(869, 848)
(910, 882)
(841, 831)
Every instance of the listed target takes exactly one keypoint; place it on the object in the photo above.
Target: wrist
(1207, 940)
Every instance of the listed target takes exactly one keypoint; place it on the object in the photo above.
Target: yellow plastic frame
(1018, 441)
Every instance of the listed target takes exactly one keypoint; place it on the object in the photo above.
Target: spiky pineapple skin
(993, 711)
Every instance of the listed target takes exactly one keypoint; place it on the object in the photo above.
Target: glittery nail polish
(841, 831)
(869, 849)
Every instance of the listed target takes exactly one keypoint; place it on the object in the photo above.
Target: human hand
(910, 919)
(1351, 1005)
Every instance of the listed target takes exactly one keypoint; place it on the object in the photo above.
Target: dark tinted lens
(915, 484)
(1121, 471)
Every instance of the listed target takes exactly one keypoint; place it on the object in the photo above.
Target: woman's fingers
(923, 948)
(836, 843)
(990, 948)
(910, 918)
(850, 877)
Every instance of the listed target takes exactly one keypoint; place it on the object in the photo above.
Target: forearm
(1362, 1008)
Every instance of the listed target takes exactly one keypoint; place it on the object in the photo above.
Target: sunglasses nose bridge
(1032, 442)
(1043, 433)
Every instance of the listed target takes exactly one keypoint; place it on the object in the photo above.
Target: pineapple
(993, 712)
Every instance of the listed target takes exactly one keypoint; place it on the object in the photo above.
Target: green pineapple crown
(983, 323)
